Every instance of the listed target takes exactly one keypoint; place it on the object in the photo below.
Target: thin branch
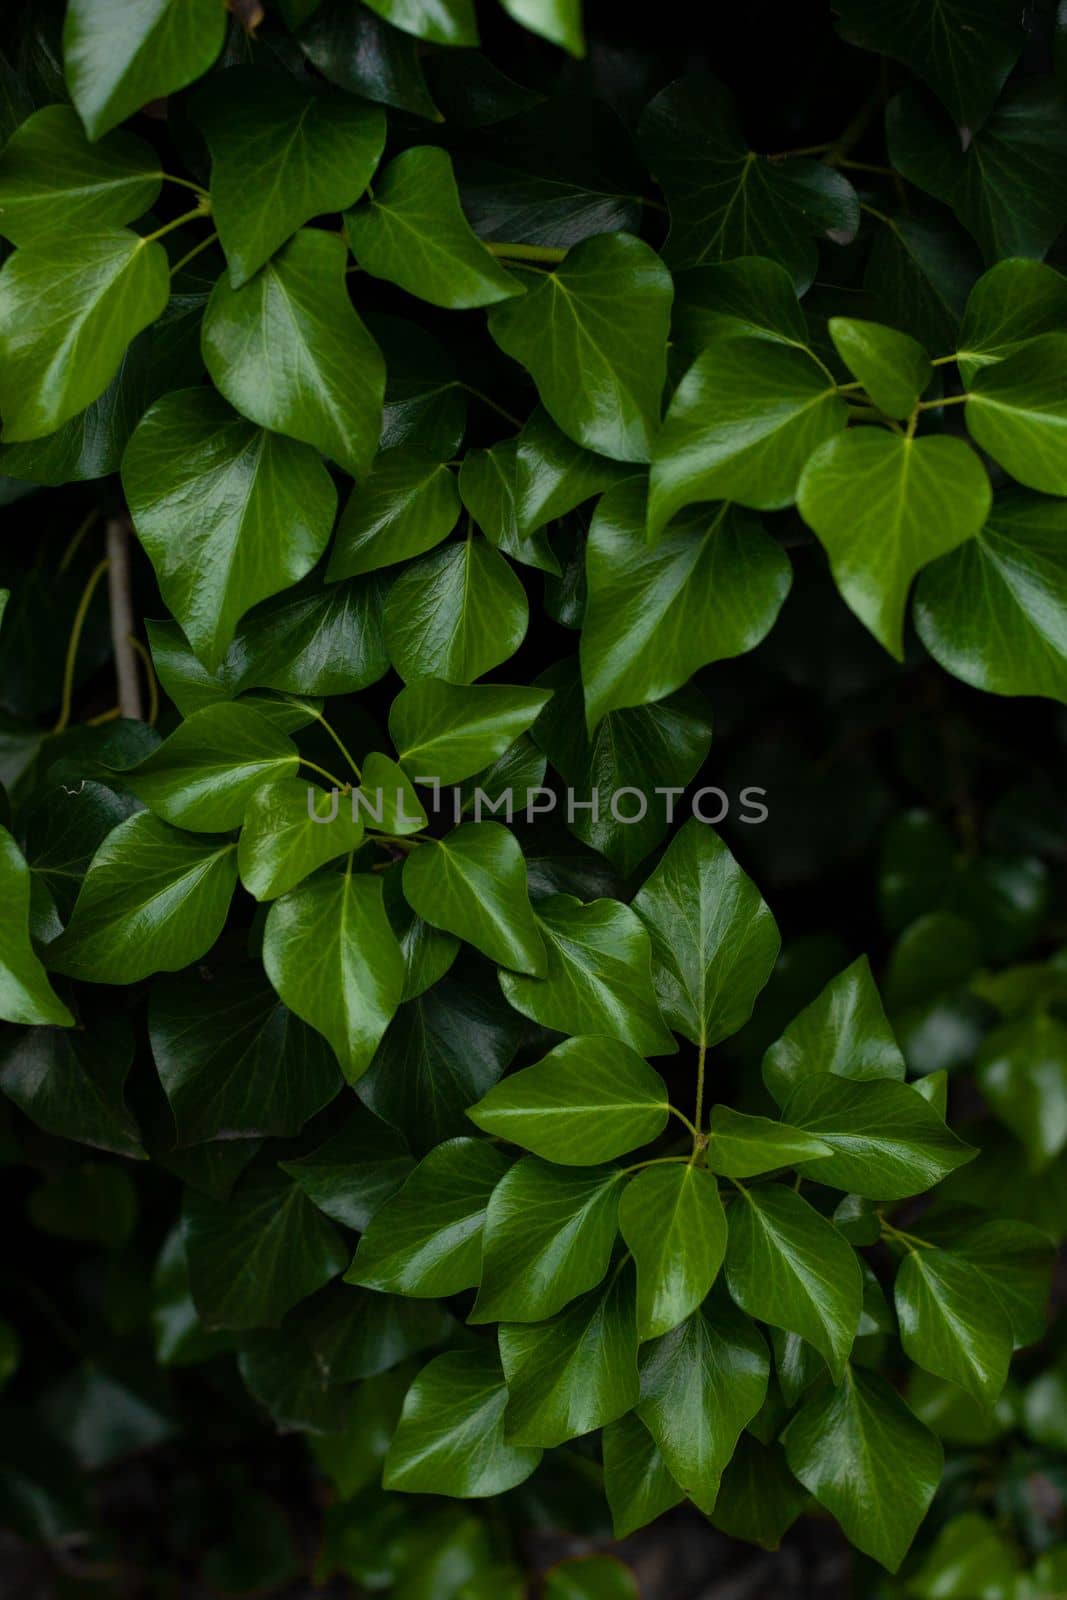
(120, 595)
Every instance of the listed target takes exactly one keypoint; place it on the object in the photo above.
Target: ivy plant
(432, 438)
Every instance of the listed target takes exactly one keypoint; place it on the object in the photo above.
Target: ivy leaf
(741, 426)
(714, 941)
(449, 731)
(25, 992)
(281, 844)
(154, 900)
(1015, 410)
(968, 1554)
(207, 492)
(438, 21)
(548, 1237)
(920, 270)
(280, 155)
(786, 1265)
(52, 179)
(964, 50)
(700, 1385)
(1014, 1261)
(724, 200)
(388, 800)
(586, 1101)
(413, 233)
(591, 1578)
(673, 1222)
(884, 506)
(455, 614)
(204, 776)
(233, 1062)
(68, 310)
(843, 1030)
(759, 1498)
(743, 1146)
(314, 640)
(119, 55)
(994, 612)
(473, 883)
(290, 353)
(427, 1240)
(450, 1438)
(950, 1324)
(751, 298)
(893, 368)
(869, 1461)
(574, 1373)
(711, 588)
(1022, 1072)
(605, 310)
(365, 55)
(440, 1054)
(254, 1255)
(1008, 184)
(71, 1081)
(888, 1143)
(352, 1175)
(407, 504)
(637, 1484)
(1011, 303)
(333, 958)
(553, 475)
(598, 978)
(560, 21)
(488, 483)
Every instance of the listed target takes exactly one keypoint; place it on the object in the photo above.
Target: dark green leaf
(407, 504)
(950, 1324)
(893, 368)
(637, 1484)
(473, 883)
(25, 992)
(455, 614)
(71, 1082)
(1015, 410)
(673, 1222)
(354, 1172)
(844, 1030)
(451, 1434)
(204, 776)
(447, 732)
(1022, 1072)
(282, 842)
(52, 179)
(742, 1146)
(440, 21)
(121, 54)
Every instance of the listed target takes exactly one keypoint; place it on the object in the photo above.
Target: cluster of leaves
(636, 381)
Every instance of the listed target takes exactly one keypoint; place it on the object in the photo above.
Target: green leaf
(893, 368)
(450, 1439)
(843, 1030)
(68, 310)
(885, 505)
(288, 350)
(591, 1578)
(887, 1142)
(280, 155)
(1022, 1072)
(867, 1459)
(177, 1334)
(599, 975)
(1011, 303)
(120, 54)
(427, 1240)
(455, 614)
(574, 1373)
(994, 612)
(154, 900)
(253, 1256)
(52, 179)
(414, 234)
(588, 1100)
(786, 1265)
(407, 504)
(488, 483)
(25, 992)
(439, 21)
(557, 20)
(473, 883)
(950, 1324)
(751, 297)
(204, 776)
(700, 1385)
(714, 940)
(548, 1237)
(1015, 409)
(1015, 1262)
(741, 426)
(233, 1062)
(742, 1146)
(71, 1082)
(606, 313)
(637, 1485)
(281, 843)
(964, 49)
(357, 1333)
(725, 201)
(207, 492)
(388, 800)
(449, 731)
(365, 55)
(553, 475)
(709, 589)
(275, 1369)
(352, 1175)
(1007, 184)
(673, 1222)
(759, 1498)
(332, 956)
(969, 1556)
(314, 640)
(920, 271)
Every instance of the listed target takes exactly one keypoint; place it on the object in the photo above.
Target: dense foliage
(433, 428)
